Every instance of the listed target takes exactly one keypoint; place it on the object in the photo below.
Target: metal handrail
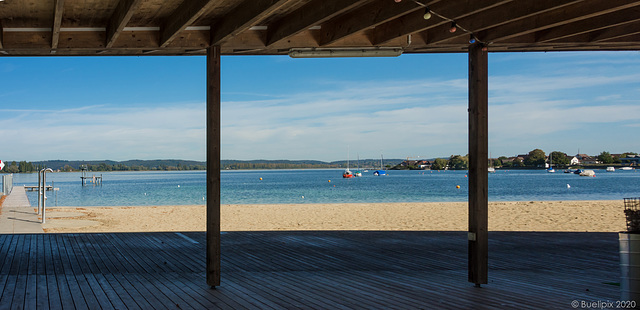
(43, 190)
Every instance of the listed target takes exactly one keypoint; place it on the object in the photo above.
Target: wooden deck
(305, 270)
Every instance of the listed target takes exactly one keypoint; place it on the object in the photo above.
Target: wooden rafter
(314, 13)
(494, 17)
(590, 25)
(187, 13)
(176, 27)
(605, 34)
(414, 22)
(573, 13)
(247, 14)
(371, 15)
(119, 19)
(57, 21)
(1, 36)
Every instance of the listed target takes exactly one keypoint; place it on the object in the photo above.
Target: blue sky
(275, 107)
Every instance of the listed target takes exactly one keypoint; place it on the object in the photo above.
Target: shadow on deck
(306, 270)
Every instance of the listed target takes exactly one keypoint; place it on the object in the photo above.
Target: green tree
(517, 163)
(536, 158)
(458, 162)
(439, 164)
(504, 161)
(12, 168)
(605, 158)
(559, 158)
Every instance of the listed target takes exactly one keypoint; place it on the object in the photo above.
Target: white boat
(358, 173)
(551, 170)
(491, 169)
(626, 168)
(588, 173)
(381, 171)
(347, 174)
(611, 169)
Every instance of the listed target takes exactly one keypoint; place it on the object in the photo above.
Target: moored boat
(587, 173)
(611, 169)
(381, 171)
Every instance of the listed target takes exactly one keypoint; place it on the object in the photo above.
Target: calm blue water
(313, 186)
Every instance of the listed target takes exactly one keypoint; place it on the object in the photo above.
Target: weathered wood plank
(119, 19)
(274, 270)
(247, 14)
(57, 21)
(213, 165)
(186, 14)
(478, 164)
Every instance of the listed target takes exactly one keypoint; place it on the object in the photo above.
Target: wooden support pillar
(478, 164)
(213, 166)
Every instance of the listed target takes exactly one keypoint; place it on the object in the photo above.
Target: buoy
(145, 194)
(178, 185)
(260, 179)
(329, 181)
(457, 186)
(465, 175)
(202, 198)
(303, 197)
(568, 186)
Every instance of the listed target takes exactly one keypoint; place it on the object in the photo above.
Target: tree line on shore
(534, 159)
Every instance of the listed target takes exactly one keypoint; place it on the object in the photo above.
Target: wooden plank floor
(305, 270)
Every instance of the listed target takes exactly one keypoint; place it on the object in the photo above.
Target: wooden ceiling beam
(603, 35)
(493, 17)
(312, 14)
(119, 19)
(368, 16)
(589, 25)
(1, 36)
(188, 12)
(57, 21)
(569, 14)
(414, 22)
(241, 18)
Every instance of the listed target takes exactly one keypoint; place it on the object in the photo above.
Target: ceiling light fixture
(345, 52)
(453, 28)
(472, 39)
(427, 14)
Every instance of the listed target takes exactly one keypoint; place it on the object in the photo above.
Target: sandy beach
(578, 216)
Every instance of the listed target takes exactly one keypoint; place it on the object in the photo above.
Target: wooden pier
(305, 270)
(95, 180)
(35, 188)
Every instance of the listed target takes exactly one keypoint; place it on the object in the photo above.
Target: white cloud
(100, 132)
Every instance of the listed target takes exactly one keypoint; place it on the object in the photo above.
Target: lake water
(327, 186)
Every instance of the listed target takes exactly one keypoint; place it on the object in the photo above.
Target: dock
(95, 180)
(305, 270)
(17, 216)
(35, 188)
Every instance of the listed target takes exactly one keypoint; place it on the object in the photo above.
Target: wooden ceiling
(273, 27)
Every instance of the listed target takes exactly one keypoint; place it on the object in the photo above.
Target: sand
(578, 216)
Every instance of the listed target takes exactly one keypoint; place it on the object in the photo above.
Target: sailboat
(491, 169)
(347, 174)
(551, 170)
(358, 173)
(381, 171)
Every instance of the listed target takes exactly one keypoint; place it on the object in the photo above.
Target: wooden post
(213, 166)
(478, 164)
